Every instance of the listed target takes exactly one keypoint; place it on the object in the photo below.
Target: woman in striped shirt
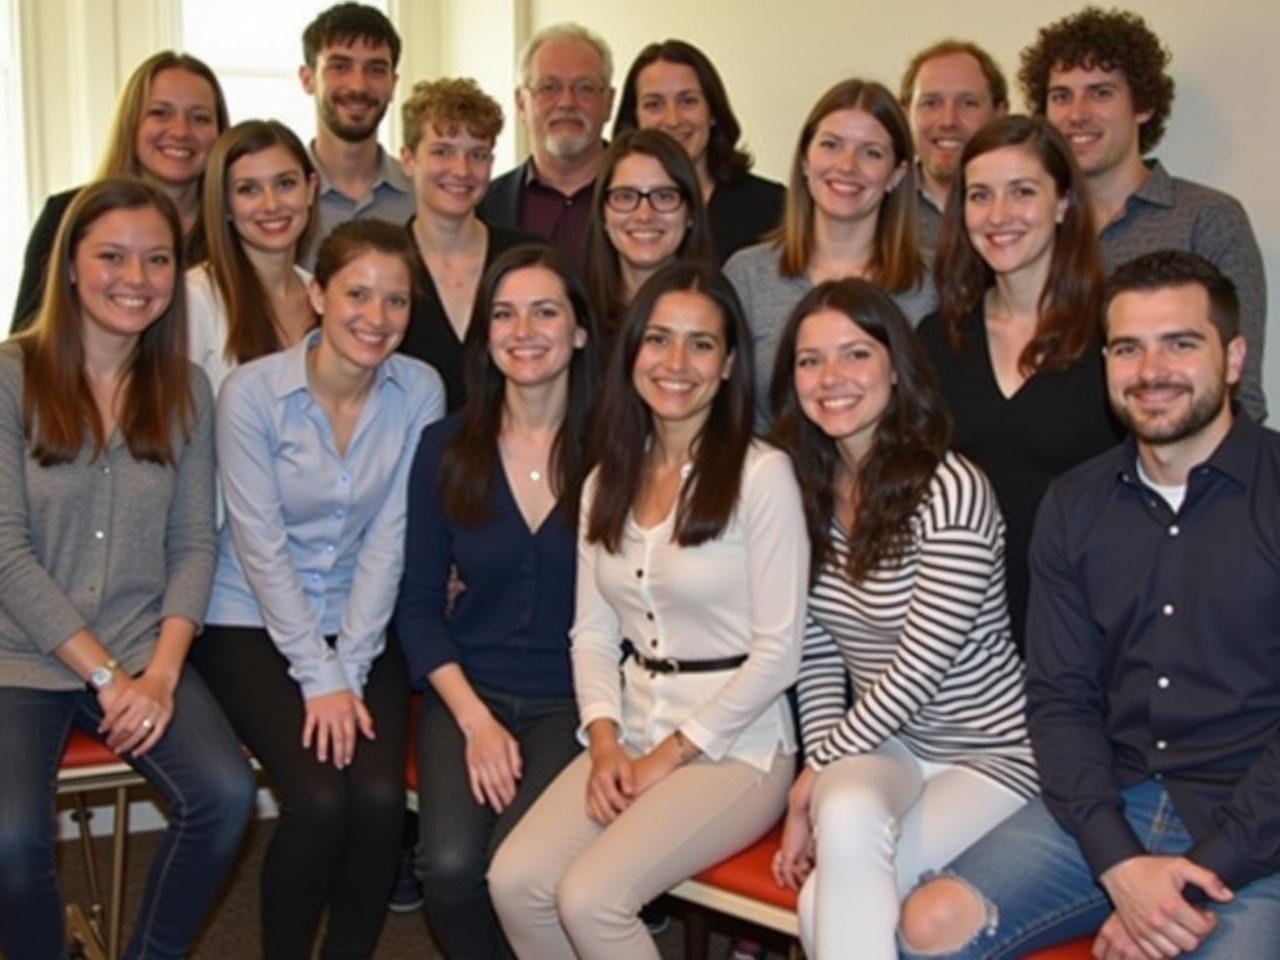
(907, 602)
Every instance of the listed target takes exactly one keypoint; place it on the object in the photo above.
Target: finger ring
(147, 723)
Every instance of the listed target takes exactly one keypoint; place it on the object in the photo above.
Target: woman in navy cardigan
(493, 497)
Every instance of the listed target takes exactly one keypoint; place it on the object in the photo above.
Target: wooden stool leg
(118, 840)
(697, 933)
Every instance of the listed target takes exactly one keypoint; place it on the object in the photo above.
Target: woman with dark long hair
(314, 445)
(1016, 340)
(249, 298)
(692, 563)
(907, 609)
(494, 493)
(169, 113)
(106, 556)
(647, 212)
(674, 87)
(850, 212)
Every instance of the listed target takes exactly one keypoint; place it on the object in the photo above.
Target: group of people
(608, 455)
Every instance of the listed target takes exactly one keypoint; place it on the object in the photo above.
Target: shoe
(656, 920)
(744, 949)
(406, 893)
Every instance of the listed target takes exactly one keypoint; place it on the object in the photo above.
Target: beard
(355, 131)
(568, 145)
(1172, 428)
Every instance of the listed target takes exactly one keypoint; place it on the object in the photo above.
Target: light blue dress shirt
(314, 543)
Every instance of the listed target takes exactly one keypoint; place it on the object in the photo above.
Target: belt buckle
(672, 665)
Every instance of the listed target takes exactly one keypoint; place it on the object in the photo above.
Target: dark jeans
(198, 767)
(337, 841)
(457, 836)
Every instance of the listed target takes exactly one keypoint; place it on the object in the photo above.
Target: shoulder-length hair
(625, 423)
(726, 159)
(470, 460)
(603, 269)
(907, 444)
(58, 408)
(252, 325)
(354, 238)
(120, 158)
(896, 263)
(1070, 303)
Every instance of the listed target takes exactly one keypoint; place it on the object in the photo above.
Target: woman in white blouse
(250, 297)
(692, 566)
(908, 602)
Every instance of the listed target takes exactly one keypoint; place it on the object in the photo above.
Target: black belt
(672, 665)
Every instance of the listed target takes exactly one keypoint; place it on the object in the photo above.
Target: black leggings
(337, 842)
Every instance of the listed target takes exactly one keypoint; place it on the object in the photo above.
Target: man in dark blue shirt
(1153, 680)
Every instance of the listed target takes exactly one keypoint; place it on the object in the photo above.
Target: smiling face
(1168, 373)
(644, 238)
(683, 358)
(352, 83)
(178, 127)
(364, 309)
(532, 329)
(450, 171)
(269, 198)
(843, 379)
(1012, 209)
(850, 165)
(950, 102)
(1094, 110)
(124, 269)
(669, 98)
(566, 103)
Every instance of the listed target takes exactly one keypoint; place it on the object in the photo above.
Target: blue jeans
(1040, 892)
(197, 767)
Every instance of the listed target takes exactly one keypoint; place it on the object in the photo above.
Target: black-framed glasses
(627, 199)
(551, 88)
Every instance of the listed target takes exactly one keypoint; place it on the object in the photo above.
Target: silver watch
(101, 677)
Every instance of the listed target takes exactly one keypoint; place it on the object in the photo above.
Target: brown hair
(450, 104)
(353, 238)
(908, 443)
(345, 23)
(896, 265)
(470, 459)
(252, 326)
(58, 407)
(624, 423)
(603, 270)
(1069, 304)
(991, 71)
(1162, 269)
(1105, 40)
(726, 160)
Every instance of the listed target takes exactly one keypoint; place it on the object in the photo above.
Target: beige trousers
(565, 886)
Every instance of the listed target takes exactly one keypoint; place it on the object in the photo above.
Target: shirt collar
(1157, 188)
(292, 375)
(531, 176)
(1234, 457)
(389, 172)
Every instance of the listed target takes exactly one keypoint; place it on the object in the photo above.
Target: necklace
(535, 475)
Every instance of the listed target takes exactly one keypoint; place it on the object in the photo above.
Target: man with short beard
(350, 53)
(565, 98)
(1153, 669)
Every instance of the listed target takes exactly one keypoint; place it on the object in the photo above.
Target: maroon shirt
(561, 219)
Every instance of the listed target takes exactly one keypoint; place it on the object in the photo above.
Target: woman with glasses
(449, 130)
(672, 86)
(692, 567)
(647, 212)
(851, 209)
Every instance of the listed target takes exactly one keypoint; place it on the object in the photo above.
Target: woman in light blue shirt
(314, 445)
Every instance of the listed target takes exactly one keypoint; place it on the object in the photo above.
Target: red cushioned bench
(742, 886)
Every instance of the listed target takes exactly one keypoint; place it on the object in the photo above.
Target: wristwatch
(101, 677)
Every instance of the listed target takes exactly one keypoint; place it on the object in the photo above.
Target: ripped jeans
(1040, 892)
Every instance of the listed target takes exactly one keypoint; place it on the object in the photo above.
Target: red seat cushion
(1081, 949)
(748, 873)
(84, 751)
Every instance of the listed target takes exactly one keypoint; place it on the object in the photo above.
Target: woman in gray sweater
(106, 557)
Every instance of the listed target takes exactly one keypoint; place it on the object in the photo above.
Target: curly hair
(449, 105)
(1105, 40)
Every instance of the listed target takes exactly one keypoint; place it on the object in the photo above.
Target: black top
(1056, 420)
(1154, 652)
(742, 211)
(509, 630)
(431, 336)
(40, 247)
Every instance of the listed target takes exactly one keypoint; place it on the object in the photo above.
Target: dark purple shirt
(561, 219)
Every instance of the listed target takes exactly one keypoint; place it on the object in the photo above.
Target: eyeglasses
(551, 88)
(627, 199)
